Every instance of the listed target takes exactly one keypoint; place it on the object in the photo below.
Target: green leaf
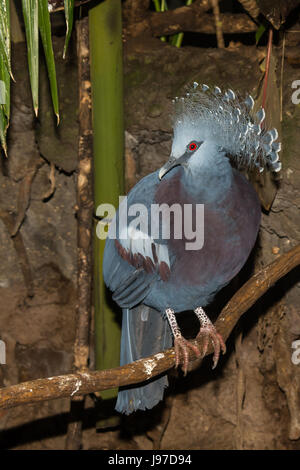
(45, 32)
(4, 88)
(164, 6)
(156, 5)
(259, 33)
(5, 71)
(31, 15)
(5, 34)
(3, 129)
(69, 11)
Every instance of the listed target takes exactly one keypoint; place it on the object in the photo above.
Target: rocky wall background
(252, 399)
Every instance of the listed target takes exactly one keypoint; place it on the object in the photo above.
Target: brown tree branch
(185, 19)
(84, 229)
(85, 202)
(140, 20)
(144, 369)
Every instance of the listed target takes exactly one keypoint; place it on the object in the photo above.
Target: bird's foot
(209, 332)
(181, 344)
(182, 347)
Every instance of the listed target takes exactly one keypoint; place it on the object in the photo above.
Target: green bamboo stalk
(105, 28)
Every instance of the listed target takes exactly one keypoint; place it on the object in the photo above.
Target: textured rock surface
(252, 400)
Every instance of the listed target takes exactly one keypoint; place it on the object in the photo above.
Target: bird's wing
(133, 260)
(141, 251)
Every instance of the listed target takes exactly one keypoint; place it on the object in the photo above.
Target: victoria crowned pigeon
(184, 231)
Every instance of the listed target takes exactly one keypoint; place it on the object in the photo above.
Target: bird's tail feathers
(229, 121)
(144, 332)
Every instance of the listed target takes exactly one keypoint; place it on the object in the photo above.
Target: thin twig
(281, 77)
(144, 369)
(264, 98)
(218, 22)
(84, 236)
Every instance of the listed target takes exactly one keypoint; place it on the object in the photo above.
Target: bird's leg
(208, 331)
(181, 344)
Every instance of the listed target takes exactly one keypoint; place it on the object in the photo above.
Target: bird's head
(191, 141)
(184, 153)
(209, 125)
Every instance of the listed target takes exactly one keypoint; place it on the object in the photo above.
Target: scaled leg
(208, 331)
(181, 344)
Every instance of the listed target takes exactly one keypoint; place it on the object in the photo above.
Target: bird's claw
(209, 332)
(182, 346)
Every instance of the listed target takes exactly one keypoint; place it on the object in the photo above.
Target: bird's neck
(210, 179)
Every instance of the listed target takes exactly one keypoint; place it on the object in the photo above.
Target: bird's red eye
(192, 146)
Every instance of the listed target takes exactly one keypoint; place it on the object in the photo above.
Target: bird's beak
(168, 166)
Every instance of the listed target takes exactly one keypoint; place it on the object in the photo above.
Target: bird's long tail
(144, 332)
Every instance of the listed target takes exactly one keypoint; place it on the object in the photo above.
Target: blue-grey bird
(186, 230)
